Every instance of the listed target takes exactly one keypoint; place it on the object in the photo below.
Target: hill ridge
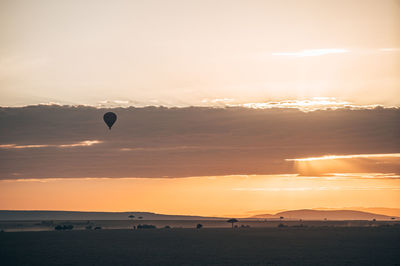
(310, 214)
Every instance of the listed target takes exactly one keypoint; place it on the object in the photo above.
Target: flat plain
(206, 246)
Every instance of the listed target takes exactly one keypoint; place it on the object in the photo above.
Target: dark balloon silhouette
(110, 119)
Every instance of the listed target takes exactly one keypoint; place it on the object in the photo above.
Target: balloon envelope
(110, 119)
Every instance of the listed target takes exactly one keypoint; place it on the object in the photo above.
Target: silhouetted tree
(131, 216)
(140, 217)
(64, 227)
(58, 227)
(199, 226)
(232, 221)
(146, 226)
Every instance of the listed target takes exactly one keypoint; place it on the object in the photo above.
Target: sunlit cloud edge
(327, 176)
(324, 188)
(84, 143)
(304, 105)
(352, 156)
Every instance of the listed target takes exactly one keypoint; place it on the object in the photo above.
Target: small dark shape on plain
(146, 226)
(199, 226)
(232, 221)
(109, 119)
(64, 227)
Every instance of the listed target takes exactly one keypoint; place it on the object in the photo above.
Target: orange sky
(213, 196)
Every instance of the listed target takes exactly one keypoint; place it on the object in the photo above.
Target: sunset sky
(225, 108)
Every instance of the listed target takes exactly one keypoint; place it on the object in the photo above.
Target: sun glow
(334, 157)
(355, 163)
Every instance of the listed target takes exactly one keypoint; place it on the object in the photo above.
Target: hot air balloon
(109, 119)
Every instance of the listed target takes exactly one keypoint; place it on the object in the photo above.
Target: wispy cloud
(393, 49)
(299, 189)
(316, 103)
(334, 157)
(311, 52)
(78, 144)
(172, 148)
(218, 101)
(320, 52)
(309, 105)
(363, 176)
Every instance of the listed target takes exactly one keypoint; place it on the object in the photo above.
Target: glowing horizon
(187, 195)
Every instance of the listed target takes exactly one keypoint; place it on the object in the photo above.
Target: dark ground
(207, 246)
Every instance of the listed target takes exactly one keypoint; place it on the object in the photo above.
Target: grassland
(207, 246)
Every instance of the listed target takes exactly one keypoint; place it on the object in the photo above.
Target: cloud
(317, 103)
(352, 156)
(14, 146)
(84, 143)
(155, 142)
(341, 188)
(390, 49)
(311, 52)
(363, 176)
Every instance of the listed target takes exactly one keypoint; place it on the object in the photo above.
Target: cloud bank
(312, 52)
(73, 142)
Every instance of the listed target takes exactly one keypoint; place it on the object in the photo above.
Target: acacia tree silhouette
(232, 221)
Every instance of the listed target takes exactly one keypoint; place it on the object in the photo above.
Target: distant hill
(378, 210)
(74, 215)
(324, 214)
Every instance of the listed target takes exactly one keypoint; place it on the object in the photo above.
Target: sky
(225, 108)
(182, 53)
